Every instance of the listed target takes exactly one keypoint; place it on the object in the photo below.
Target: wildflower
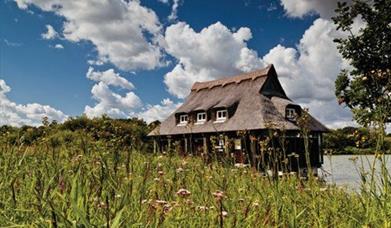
(256, 204)
(156, 179)
(167, 208)
(101, 205)
(161, 173)
(218, 195)
(179, 170)
(183, 192)
(202, 208)
(224, 213)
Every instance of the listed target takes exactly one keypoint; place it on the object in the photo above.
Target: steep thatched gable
(254, 101)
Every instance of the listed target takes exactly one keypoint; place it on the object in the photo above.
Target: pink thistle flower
(183, 192)
(218, 195)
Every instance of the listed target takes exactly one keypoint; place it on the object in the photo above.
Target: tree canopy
(366, 87)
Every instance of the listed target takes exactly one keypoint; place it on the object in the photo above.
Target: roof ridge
(197, 86)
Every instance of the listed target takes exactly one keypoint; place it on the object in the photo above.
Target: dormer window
(221, 115)
(290, 113)
(183, 120)
(201, 117)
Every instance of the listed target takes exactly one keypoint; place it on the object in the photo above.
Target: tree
(366, 88)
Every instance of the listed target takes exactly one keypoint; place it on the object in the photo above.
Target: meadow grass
(90, 184)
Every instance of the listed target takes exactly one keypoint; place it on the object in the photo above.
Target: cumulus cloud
(28, 114)
(213, 52)
(109, 77)
(300, 8)
(159, 111)
(108, 101)
(124, 32)
(50, 33)
(129, 105)
(111, 103)
(308, 73)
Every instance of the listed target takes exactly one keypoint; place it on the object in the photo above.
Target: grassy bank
(92, 183)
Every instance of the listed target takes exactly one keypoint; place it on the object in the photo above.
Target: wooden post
(205, 145)
(186, 146)
(154, 146)
(169, 146)
(253, 148)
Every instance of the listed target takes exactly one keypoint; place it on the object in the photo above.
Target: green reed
(91, 183)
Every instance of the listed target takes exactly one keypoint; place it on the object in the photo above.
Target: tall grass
(88, 183)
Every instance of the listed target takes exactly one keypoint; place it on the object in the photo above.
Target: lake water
(341, 170)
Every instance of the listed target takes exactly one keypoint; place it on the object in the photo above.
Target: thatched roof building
(250, 101)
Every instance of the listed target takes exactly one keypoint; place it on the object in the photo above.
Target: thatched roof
(254, 101)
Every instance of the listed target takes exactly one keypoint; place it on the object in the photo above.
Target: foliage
(83, 184)
(366, 89)
(115, 132)
(352, 140)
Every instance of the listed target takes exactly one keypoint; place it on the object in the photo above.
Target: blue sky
(51, 72)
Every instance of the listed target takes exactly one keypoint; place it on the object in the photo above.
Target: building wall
(285, 152)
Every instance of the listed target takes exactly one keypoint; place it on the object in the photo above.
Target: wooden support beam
(154, 146)
(253, 151)
(169, 145)
(186, 145)
(205, 144)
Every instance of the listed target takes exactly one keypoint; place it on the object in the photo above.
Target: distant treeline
(131, 133)
(352, 140)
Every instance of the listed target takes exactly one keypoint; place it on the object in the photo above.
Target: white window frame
(199, 119)
(183, 119)
(291, 113)
(223, 115)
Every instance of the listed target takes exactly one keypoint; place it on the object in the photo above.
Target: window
(221, 115)
(183, 119)
(291, 113)
(201, 117)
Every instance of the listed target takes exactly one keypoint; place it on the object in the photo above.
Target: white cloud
(122, 106)
(308, 73)
(159, 111)
(58, 46)
(28, 114)
(174, 10)
(213, 52)
(111, 103)
(12, 44)
(124, 32)
(163, 1)
(108, 101)
(50, 33)
(300, 8)
(109, 77)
